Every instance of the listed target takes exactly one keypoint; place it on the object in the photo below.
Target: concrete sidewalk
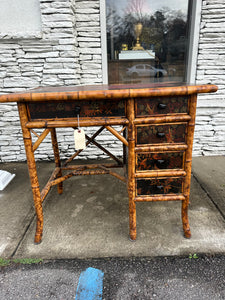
(90, 219)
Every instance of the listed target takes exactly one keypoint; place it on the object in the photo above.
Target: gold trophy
(138, 29)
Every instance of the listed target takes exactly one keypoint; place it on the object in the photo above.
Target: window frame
(103, 41)
(195, 8)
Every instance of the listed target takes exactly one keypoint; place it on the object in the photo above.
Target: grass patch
(4, 262)
(195, 256)
(22, 261)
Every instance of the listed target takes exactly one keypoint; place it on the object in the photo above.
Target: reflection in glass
(146, 40)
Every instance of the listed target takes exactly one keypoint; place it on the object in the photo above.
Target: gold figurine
(138, 29)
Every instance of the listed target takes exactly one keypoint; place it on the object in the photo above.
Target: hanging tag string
(78, 121)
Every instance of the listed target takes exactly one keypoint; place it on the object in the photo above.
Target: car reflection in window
(144, 70)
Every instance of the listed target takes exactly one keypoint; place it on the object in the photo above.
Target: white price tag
(79, 139)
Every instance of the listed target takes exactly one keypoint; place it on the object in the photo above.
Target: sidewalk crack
(209, 196)
(32, 217)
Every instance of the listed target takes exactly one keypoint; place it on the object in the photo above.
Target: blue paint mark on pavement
(90, 285)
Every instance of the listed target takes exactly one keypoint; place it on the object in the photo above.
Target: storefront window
(147, 40)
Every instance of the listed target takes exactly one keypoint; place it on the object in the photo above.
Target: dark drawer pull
(160, 163)
(77, 110)
(160, 134)
(162, 106)
(159, 187)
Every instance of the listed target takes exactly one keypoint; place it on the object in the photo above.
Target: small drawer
(147, 187)
(159, 161)
(158, 134)
(161, 106)
(52, 110)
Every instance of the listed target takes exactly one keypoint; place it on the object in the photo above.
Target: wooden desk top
(99, 92)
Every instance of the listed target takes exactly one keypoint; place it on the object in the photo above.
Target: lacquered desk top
(98, 92)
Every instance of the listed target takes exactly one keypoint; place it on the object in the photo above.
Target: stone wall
(210, 120)
(88, 34)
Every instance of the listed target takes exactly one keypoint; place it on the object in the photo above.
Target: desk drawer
(158, 134)
(159, 161)
(52, 110)
(147, 187)
(161, 106)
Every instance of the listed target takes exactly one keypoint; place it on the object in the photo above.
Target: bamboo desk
(157, 132)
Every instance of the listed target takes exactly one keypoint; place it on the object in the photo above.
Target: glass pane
(146, 40)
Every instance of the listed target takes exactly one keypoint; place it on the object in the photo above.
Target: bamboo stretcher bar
(161, 148)
(151, 174)
(74, 123)
(104, 150)
(163, 119)
(91, 166)
(118, 176)
(78, 170)
(172, 197)
(48, 185)
(79, 173)
(87, 143)
(35, 133)
(119, 136)
(122, 130)
(41, 139)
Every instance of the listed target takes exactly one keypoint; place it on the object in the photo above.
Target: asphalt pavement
(164, 278)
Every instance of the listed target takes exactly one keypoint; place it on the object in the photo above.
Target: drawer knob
(162, 106)
(159, 188)
(77, 110)
(161, 163)
(160, 134)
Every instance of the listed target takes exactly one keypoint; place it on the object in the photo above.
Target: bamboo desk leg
(32, 171)
(188, 163)
(131, 169)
